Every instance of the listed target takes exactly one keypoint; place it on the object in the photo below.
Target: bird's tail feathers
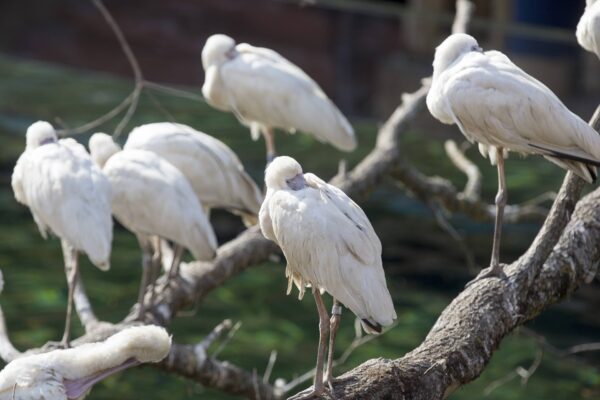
(585, 171)
(371, 326)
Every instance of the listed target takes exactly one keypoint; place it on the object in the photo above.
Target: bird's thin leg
(495, 268)
(270, 142)
(71, 257)
(318, 387)
(146, 271)
(323, 333)
(501, 199)
(334, 323)
(156, 266)
(177, 254)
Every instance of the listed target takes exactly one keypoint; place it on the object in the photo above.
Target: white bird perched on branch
(152, 198)
(330, 245)
(266, 91)
(69, 196)
(213, 169)
(502, 108)
(588, 28)
(71, 373)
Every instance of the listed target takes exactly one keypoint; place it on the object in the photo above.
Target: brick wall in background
(364, 61)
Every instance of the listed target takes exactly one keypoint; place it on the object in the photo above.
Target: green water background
(425, 268)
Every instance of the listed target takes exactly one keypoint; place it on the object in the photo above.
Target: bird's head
(79, 368)
(40, 133)
(217, 50)
(145, 344)
(452, 49)
(92, 363)
(102, 147)
(284, 173)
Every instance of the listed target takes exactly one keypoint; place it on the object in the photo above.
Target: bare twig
(270, 365)
(228, 338)
(131, 102)
(216, 333)
(192, 361)
(99, 121)
(133, 62)
(184, 94)
(445, 224)
(462, 18)
(521, 372)
(582, 348)
(458, 158)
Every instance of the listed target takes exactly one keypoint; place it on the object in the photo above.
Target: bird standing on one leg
(502, 108)
(330, 245)
(152, 198)
(588, 28)
(69, 196)
(265, 91)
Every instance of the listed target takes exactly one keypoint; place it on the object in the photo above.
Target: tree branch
(563, 256)
(194, 362)
(460, 160)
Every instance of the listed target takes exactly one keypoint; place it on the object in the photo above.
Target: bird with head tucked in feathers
(502, 108)
(153, 198)
(68, 196)
(70, 374)
(266, 91)
(588, 28)
(329, 245)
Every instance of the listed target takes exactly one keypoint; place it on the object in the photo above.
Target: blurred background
(59, 61)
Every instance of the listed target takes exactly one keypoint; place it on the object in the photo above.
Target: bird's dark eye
(476, 48)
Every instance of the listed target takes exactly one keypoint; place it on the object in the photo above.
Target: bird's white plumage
(213, 169)
(327, 240)
(67, 194)
(49, 375)
(152, 197)
(588, 28)
(498, 105)
(265, 90)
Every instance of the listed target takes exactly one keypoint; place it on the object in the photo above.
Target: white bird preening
(213, 169)
(588, 28)
(152, 198)
(266, 91)
(68, 196)
(71, 373)
(502, 108)
(330, 245)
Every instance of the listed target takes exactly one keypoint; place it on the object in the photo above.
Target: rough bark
(563, 256)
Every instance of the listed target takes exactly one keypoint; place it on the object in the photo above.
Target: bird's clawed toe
(312, 393)
(489, 272)
(331, 391)
(55, 345)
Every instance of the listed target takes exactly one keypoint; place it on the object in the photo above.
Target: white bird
(71, 373)
(152, 198)
(330, 245)
(213, 169)
(266, 91)
(68, 196)
(502, 108)
(588, 28)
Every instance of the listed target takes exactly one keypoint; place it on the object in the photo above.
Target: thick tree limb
(194, 362)
(563, 256)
